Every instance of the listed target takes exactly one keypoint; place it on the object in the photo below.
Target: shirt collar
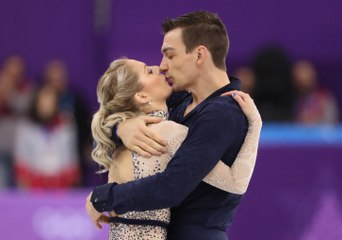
(235, 84)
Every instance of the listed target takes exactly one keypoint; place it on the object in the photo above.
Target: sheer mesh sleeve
(174, 134)
(174, 143)
(235, 179)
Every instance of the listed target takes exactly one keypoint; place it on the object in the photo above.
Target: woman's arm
(235, 179)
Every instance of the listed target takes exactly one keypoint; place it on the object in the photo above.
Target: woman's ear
(142, 98)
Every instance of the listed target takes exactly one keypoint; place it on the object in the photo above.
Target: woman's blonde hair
(115, 94)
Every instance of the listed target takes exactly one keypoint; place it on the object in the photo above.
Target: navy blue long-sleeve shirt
(217, 128)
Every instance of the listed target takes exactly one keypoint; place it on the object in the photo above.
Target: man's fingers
(157, 142)
(157, 145)
(151, 142)
(150, 120)
(103, 218)
(149, 148)
(141, 151)
(98, 225)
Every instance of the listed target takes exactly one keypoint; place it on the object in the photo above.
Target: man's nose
(163, 67)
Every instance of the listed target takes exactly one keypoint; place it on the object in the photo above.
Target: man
(194, 50)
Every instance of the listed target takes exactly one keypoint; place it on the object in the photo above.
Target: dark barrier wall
(87, 34)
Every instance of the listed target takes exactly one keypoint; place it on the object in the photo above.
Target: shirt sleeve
(210, 136)
(235, 179)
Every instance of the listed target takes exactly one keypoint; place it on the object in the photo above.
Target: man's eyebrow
(167, 49)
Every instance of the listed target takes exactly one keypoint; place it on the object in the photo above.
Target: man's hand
(95, 216)
(137, 137)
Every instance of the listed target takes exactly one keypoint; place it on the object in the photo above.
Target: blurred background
(52, 53)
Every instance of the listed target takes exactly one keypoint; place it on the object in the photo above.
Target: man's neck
(207, 84)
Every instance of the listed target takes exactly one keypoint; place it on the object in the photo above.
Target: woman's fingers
(228, 93)
(241, 95)
(236, 92)
(239, 99)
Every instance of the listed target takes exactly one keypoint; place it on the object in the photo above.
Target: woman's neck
(156, 107)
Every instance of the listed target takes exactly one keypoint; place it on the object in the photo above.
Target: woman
(130, 88)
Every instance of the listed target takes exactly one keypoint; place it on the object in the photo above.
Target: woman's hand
(245, 101)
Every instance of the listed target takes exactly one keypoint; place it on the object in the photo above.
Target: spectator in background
(15, 96)
(55, 75)
(247, 77)
(45, 150)
(314, 104)
(274, 91)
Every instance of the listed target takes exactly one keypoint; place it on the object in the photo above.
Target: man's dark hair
(202, 28)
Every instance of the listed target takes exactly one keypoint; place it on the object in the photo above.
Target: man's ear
(142, 97)
(202, 53)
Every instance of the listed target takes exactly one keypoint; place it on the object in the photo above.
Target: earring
(149, 102)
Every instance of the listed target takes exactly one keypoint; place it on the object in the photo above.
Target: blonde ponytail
(115, 94)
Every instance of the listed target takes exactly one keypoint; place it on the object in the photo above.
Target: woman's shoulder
(168, 128)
